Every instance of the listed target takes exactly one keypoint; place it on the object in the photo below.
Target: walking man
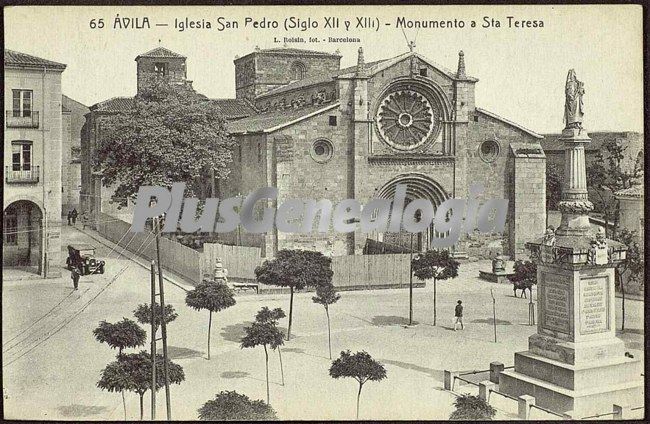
(75, 277)
(459, 315)
(74, 214)
(69, 217)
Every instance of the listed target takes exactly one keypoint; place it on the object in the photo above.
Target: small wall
(240, 261)
(358, 272)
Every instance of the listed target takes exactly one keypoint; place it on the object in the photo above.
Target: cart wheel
(101, 269)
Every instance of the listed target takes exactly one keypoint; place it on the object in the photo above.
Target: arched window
(298, 71)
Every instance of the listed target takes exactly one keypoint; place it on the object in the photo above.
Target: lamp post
(411, 283)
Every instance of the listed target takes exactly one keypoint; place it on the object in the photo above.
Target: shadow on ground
(235, 332)
(176, 352)
(491, 321)
(81, 410)
(383, 320)
(433, 373)
(234, 374)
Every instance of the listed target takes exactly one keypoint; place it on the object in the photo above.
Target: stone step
(614, 370)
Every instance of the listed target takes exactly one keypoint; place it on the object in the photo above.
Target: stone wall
(74, 121)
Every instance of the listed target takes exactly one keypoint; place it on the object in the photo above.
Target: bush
(470, 407)
(232, 406)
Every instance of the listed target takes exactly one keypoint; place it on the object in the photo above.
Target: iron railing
(30, 175)
(22, 119)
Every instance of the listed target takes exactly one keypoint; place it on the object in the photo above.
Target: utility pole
(531, 308)
(153, 341)
(163, 325)
(411, 283)
(494, 315)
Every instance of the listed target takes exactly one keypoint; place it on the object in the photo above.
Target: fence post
(484, 388)
(496, 368)
(523, 406)
(621, 412)
(450, 377)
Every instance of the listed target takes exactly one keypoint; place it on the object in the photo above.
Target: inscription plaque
(556, 307)
(593, 306)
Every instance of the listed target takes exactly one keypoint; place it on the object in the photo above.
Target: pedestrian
(458, 315)
(69, 217)
(75, 277)
(74, 215)
(84, 220)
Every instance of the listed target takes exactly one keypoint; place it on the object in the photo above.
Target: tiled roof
(273, 121)
(316, 79)
(22, 60)
(231, 108)
(116, 104)
(497, 117)
(161, 52)
(634, 191)
(235, 108)
(598, 139)
(288, 50)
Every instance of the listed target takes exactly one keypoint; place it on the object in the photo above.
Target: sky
(521, 71)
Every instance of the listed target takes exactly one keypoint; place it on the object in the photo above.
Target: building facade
(73, 122)
(356, 133)
(316, 131)
(32, 156)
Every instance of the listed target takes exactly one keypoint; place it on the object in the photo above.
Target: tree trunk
(281, 367)
(141, 406)
(329, 335)
(266, 353)
(290, 313)
(358, 397)
(209, 329)
(124, 404)
(434, 302)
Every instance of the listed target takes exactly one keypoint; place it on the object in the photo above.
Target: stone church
(316, 131)
(327, 132)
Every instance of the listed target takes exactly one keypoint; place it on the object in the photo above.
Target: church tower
(161, 62)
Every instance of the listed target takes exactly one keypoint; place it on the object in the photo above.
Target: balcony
(22, 119)
(24, 176)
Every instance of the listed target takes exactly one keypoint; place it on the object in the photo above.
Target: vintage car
(82, 256)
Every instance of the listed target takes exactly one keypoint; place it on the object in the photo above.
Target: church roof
(289, 50)
(513, 124)
(14, 59)
(634, 191)
(231, 108)
(316, 79)
(160, 52)
(276, 120)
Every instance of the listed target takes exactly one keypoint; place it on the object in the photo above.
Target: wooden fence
(240, 261)
(359, 272)
(175, 257)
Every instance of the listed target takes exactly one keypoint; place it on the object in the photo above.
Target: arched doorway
(418, 186)
(22, 235)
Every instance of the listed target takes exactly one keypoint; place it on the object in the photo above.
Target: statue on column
(573, 107)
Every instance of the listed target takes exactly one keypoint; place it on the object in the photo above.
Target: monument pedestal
(575, 362)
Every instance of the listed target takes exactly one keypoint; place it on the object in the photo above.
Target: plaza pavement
(51, 362)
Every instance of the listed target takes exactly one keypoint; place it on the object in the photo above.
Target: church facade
(328, 133)
(318, 131)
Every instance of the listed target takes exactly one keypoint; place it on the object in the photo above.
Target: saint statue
(573, 108)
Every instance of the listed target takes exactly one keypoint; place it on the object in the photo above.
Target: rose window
(406, 119)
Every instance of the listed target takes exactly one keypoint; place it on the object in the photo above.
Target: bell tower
(161, 62)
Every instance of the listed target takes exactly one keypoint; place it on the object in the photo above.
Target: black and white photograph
(323, 212)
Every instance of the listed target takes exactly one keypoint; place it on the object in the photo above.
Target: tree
(143, 314)
(633, 265)
(471, 408)
(232, 406)
(122, 334)
(265, 315)
(607, 175)
(525, 276)
(263, 333)
(171, 133)
(436, 264)
(359, 366)
(295, 269)
(326, 295)
(554, 177)
(132, 372)
(213, 296)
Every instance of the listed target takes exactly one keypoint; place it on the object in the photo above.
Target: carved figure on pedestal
(573, 107)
